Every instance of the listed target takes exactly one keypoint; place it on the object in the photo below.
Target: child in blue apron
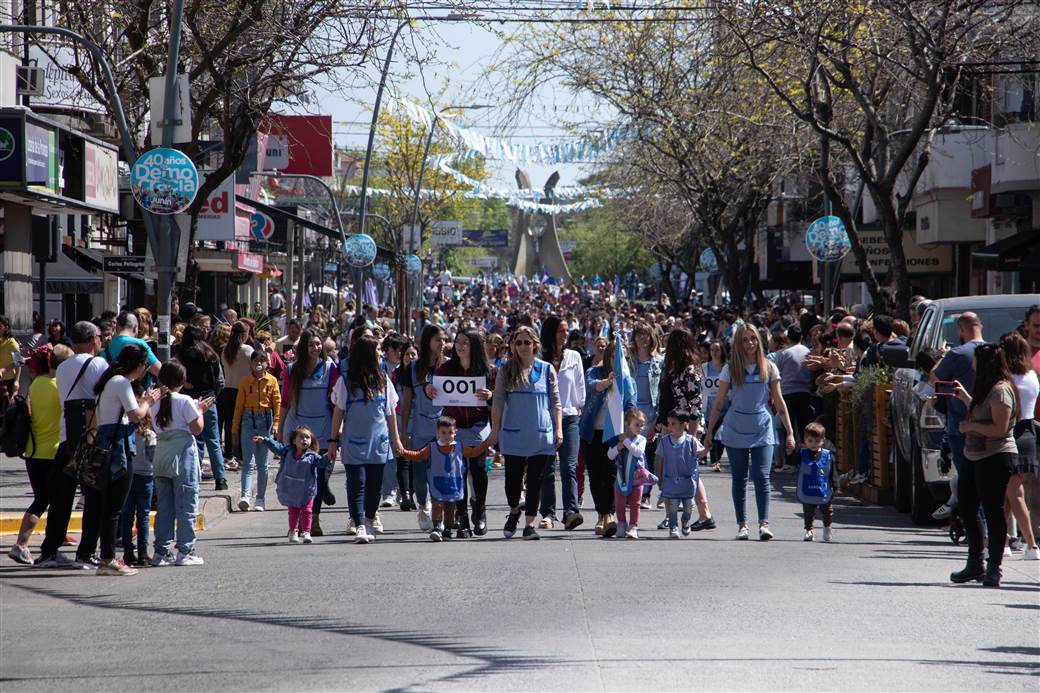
(816, 481)
(677, 455)
(446, 462)
(421, 414)
(297, 479)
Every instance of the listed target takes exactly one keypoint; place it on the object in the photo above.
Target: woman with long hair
(309, 382)
(752, 382)
(1019, 355)
(205, 378)
(526, 424)
(681, 389)
(990, 456)
(474, 426)
(117, 408)
(599, 379)
(419, 411)
(366, 401)
(646, 363)
(718, 356)
(234, 359)
(570, 376)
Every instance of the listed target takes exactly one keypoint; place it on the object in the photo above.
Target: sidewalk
(16, 495)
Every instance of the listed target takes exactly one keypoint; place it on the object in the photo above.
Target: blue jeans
(137, 506)
(364, 482)
(209, 440)
(178, 501)
(567, 455)
(671, 508)
(757, 461)
(254, 423)
(956, 441)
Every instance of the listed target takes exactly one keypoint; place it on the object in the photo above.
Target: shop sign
(11, 168)
(61, 87)
(41, 158)
(446, 233)
(164, 181)
(216, 219)
(249, 262)
(299, 144)
(100, 176)
(937, 259)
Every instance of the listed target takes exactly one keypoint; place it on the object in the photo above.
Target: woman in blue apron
(365, 402)
(474, 426)
(747, 431)
(419, 411)
(526, 423)
(646, 363)
(305, 402)
(718, 351)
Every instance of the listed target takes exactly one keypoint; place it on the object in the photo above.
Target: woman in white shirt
(117, 408)
(570, 376)
(234, 359)
(1018, 354)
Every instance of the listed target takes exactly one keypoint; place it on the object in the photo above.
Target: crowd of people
(693, 385)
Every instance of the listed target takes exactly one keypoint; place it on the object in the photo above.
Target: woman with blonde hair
(526, 424)
(753, 382)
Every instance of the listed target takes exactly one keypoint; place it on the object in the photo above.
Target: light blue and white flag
(614, 420)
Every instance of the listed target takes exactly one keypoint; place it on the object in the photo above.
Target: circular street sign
(708, 261)
(7, 144)
(827, 240)
(360, 250)
(412, 264)
(164, 181)
(381, 270)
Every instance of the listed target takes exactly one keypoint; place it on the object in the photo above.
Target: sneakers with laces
(377, 525)
(115, 567)
(742, 533)
(58, 560)
(351, 527)
(305, 537)
(944, 511)
(425, 520)
(243, 504)
(161, 560)
(632, 533)
(809, 536)
(20, 554)
(437, 533)
(645, 503)
(686, 530)
(89, 563)
(294, 536)
(510, 527)
(361, 536)
(764, 533)
(530, 533)
(1031, 554)
(673, 533)
(189, 558)
(663, 524)
(1007, 551)
(387, 501)
(370, 532)
(828, 535)
(259, 505)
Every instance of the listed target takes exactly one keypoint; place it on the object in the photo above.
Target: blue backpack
(814, 478)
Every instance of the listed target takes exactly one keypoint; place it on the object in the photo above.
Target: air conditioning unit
(30, 80)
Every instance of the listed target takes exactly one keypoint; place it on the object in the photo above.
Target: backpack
(17, 428)
(814, 479)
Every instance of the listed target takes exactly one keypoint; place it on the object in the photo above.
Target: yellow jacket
(257, 394)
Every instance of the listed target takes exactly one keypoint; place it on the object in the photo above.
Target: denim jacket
(594, 400)
(653, 375)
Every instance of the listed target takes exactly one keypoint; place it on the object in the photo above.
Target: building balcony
(955, 153)
(1016, 159)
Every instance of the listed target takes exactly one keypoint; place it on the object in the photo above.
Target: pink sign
(249, 262)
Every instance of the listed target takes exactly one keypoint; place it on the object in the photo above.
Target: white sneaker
(294, 536)
(259, 505)
(161, 560)
(742, 534)
(377, 525)
(188, 559)
(663, 524)
(764, 533)
(435, 535)
(828, 535)
(387, 501)
(1032, 554)
(243, 504)
(425, 521)
(370, 533)
(351, 527)
(944, 511)
(115, 567)
(1007, 551)
(20, 554)
(305, 537)
(361, 535)
(673, 533)
(809, 536)
(632, 533)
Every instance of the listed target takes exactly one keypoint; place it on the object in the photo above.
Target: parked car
(921, 477)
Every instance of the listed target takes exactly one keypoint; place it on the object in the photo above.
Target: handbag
(90, 463)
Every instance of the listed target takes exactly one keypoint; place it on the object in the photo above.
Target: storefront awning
(1011, 254)
(67, 277)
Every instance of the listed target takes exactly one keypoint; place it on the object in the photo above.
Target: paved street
(872, 612)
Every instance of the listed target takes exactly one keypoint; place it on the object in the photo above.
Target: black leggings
(601, 473)
(404, 479)
(62, 494)
(101, 516)
(226, 415)
(984, 482)
(477, 471)
(515, 466)
(40, 480)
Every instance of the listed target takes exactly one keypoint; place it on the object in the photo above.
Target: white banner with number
(458, 391)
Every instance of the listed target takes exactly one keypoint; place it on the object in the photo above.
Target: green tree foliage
(604, 246)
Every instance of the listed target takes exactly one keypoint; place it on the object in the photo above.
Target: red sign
(299, 144)
(249, 262)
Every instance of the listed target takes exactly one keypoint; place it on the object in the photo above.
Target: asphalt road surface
(873, 611)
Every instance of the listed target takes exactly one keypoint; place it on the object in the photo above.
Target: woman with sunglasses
(526, 424)
(645, 363)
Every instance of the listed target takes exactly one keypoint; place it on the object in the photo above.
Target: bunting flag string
(516, 201)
